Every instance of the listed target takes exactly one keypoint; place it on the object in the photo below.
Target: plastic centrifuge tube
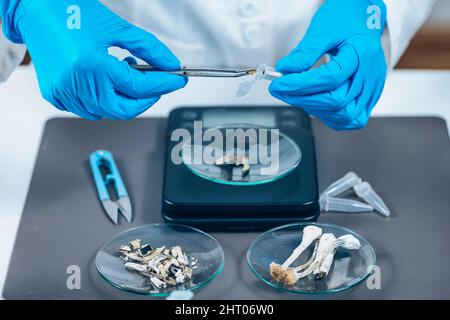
(268, 73)
(262, 72)
(364, 190)
(343, 184)
(343, 205)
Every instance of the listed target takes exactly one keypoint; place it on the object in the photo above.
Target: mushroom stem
(310, 234)
(292, 275)
(347, 242)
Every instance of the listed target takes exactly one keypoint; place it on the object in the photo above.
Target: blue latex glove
(344, 91)
(74, 69)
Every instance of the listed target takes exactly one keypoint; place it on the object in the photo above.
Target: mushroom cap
(289, 277)
(312, 232)
(350, 242)
(276, 272)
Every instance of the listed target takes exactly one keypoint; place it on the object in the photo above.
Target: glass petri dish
(350, 267)
(204, 249)
(280, 155)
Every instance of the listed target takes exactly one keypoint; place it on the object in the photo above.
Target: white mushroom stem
(310, 234)
(135, 266)
(326, 243)
(158, 283)
(311, 259)
(322, 271)
(347, 242)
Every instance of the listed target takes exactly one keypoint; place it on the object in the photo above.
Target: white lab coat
(10, 56)
(250, 32)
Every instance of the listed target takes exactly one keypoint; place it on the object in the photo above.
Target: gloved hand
(74, 69)
(344, 91)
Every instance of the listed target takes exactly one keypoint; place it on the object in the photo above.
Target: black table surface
(407, 161)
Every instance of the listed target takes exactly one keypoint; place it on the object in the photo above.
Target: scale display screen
(263, 118)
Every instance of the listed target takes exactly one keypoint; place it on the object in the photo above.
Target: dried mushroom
(163, 266)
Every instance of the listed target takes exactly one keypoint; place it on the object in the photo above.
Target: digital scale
(239, 168)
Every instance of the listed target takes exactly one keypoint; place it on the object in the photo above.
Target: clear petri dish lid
(241, 154)
(205, 256)
(349, 268)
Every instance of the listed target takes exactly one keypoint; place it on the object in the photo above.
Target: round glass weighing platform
(350, 267)
(197, 245)
(258, 156)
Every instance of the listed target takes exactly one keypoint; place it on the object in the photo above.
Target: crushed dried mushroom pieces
(163, 266)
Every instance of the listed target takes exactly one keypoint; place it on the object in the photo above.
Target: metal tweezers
(105, 173)
(199, 72)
